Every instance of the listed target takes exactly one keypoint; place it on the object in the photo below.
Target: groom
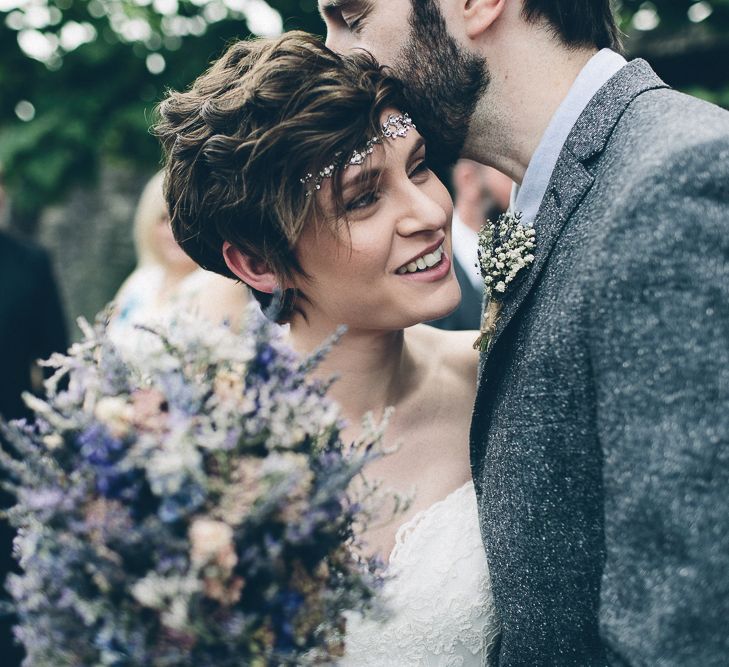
(600, 436)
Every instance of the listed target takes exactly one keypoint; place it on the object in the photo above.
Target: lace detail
(441, 607)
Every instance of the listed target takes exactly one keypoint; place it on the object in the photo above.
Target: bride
(292, 168)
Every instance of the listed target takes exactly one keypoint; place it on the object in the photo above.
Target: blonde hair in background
(151, 207)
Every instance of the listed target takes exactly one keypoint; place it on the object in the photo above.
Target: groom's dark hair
(577, 22)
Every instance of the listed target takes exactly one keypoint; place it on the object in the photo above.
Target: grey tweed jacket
(600, 436)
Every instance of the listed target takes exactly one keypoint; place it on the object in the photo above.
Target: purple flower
(98, 447)
(110, 506)
(181, 504)
(286, 606)
(104, 453)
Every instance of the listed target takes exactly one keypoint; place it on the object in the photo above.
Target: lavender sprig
(193, 506)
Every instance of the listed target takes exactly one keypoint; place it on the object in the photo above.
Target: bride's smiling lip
(432, 274)
(429, 249)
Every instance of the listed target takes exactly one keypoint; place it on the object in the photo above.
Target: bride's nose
(421, 211)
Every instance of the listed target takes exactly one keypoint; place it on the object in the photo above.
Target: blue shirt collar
(594, 75)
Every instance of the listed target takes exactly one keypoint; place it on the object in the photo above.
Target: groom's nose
(340, 41)
(337, 30)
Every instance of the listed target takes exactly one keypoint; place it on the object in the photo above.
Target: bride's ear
(252, 272)
(479, 15)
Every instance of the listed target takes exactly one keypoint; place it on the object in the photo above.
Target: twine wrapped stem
(488, 325)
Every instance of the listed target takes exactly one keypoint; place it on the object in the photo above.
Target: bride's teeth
(422, 263)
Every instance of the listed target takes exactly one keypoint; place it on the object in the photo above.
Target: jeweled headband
(396, 125)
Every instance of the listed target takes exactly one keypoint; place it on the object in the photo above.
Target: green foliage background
(94, 102)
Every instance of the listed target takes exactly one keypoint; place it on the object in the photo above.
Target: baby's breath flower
(504, 249)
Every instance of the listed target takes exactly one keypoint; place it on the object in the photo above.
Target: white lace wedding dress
(439, 596)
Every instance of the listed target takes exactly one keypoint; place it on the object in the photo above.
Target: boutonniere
(504, 249)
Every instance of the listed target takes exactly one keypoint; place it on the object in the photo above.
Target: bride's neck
(375, 368)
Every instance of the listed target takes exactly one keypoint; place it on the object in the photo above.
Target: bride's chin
(448, 305)
(435, 313)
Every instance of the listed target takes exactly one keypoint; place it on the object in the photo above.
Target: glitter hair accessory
(396, 125)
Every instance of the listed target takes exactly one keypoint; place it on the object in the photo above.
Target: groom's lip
(433, 274)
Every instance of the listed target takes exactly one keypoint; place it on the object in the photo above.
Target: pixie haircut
(577, 22)
(238, 142)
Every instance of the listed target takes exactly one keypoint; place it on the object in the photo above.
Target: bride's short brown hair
(237, 143)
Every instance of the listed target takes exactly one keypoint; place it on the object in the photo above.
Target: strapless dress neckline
(438, 593)
(410, 526)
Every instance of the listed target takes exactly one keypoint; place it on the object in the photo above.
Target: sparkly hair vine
(396, 125)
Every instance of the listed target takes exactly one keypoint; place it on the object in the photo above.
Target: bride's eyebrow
(363, 179)
(366, 176)
(419, 143)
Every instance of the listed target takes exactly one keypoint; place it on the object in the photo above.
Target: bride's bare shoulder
(452, 349)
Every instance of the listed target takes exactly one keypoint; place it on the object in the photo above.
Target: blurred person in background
(166, 278)
(213, 297)
(161, 263)
(480, 193)
(32, 327)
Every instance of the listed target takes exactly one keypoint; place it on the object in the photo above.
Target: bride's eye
(363, 201)
(420, 169)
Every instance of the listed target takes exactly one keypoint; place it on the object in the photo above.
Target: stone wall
(90, 239)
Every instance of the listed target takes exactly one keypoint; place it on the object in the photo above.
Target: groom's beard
(442, 84)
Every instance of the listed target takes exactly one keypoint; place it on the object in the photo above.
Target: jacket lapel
(572, 178)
